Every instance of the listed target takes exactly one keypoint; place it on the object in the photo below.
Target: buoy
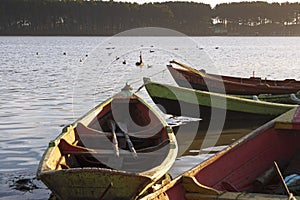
(124, 62)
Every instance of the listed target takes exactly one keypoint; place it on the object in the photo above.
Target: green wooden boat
(180, 101)
(118, 150)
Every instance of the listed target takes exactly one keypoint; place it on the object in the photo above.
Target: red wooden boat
(245, 170)
(199, 80)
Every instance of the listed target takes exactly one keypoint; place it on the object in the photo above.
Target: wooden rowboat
(193, 78)
(116, 151)
(180, 101)
(246, 169)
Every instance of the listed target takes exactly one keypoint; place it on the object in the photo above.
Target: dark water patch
(22, 185)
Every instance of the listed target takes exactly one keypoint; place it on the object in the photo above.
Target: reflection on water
(195, 153)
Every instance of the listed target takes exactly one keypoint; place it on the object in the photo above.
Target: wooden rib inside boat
(116, 151)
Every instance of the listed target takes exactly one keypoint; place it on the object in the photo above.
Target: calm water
(48, 82)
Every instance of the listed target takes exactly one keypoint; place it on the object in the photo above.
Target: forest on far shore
(79, 17)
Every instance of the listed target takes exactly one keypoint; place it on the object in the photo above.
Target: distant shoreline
(100, 35)
(108, 18)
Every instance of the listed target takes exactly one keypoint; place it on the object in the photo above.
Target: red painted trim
(296, 118)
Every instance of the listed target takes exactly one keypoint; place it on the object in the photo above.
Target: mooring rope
(157, 73)
(151, 75)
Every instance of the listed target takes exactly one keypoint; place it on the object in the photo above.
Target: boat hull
(94, 184)
(244, 170)
(230, 85)
(181, 101)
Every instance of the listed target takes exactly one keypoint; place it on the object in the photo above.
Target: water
(48, 82)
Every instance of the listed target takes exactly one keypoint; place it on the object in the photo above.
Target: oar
(123, 127)
(115, 141)
(291, 197)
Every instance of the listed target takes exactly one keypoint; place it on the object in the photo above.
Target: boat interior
(249, 166)
(135, 145)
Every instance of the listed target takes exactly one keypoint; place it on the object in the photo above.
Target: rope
(151, 75)
(162, 71)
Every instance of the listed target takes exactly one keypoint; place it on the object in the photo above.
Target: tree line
(79, 17)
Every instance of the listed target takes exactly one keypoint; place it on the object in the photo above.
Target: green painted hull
(195, 103)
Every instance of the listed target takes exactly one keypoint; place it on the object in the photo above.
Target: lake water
(48, 82)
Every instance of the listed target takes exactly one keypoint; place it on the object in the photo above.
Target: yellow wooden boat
(118, 150)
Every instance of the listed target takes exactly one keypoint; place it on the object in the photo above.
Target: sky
(213, 3)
